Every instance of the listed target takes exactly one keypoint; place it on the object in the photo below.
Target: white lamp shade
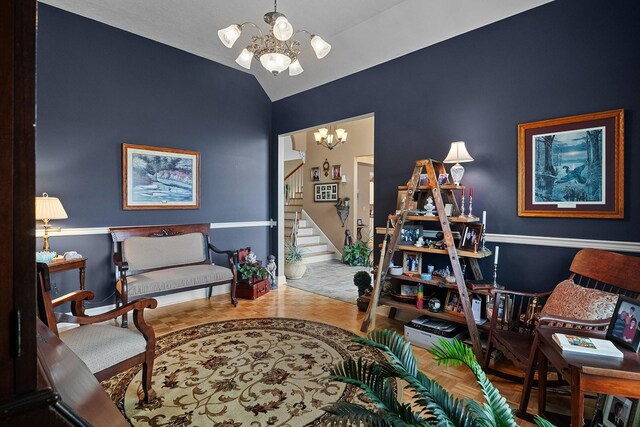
(295, 68)
(282, 28)
(229, 35)
(458, 153)
(244, 59)
(275, 62)
(320, 47)
(341, 134)
(49, 208)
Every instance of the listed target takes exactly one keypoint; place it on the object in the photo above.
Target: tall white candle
(495, 260)
(484, 218)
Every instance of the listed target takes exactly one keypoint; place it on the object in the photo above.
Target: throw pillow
(574, 301)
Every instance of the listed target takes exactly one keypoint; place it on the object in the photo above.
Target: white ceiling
(363, 33)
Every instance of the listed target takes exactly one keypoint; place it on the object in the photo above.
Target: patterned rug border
(182, 336)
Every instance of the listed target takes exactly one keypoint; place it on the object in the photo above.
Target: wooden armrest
(577, 322)
(221, 251)
(139, 304)
(517, 293)
(117, 260)
(75, 296)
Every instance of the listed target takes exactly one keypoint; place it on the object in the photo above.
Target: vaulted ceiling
(363, 33)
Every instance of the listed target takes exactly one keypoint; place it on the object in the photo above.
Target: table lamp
(48, 208)
(457, 154)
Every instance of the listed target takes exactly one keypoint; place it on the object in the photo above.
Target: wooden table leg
(82, 269)
(577, 399)
(528, 379)
(543, 365)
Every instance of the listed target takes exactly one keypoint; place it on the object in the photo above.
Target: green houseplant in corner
(357, 254)
(431, 405)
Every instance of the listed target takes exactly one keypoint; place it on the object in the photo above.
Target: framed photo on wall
(325, 192)
(336, 172)
(315, 174)
(160, 178)
(572, 166)
(623, 329)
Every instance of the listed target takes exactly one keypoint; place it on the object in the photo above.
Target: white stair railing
(294, 182)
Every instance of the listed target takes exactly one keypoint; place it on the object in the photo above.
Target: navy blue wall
(98, 87)
(561, 59)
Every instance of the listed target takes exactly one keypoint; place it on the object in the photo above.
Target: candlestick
(462, 203)
(484, 230)
(470, 204)
(495, 259)
(471, 192)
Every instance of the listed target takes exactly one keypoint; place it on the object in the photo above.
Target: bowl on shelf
(395, 271)
(426, 276)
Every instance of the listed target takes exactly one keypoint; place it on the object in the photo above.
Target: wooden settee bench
(163, 259)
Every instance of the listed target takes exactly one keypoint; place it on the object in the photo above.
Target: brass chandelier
(277, 50)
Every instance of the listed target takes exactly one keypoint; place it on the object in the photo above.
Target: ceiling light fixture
(329, 138)
(276, 51)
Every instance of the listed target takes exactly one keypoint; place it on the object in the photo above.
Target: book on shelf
(576, 344)
(479, 285)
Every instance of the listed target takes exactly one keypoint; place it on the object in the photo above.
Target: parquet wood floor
(294, 303)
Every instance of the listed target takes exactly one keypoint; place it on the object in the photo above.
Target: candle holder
(470, 206)
(462, 205)
(495, 277)
(484, 238)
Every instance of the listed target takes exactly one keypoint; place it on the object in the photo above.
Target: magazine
(583, 345)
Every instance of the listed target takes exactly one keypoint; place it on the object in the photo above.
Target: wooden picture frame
(623, 329)
(336, 172)
(315, 174)
(411, 262)
(572, 167)
(410, 234)
(325, 192)
(402, 195)
(471, 237)
(160, 178)
(453, 303)
(619, 405)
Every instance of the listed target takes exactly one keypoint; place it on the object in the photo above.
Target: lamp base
(457, 171)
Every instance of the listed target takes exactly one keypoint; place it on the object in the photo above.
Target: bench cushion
(143, 253)
(176, 278)
(101, 346)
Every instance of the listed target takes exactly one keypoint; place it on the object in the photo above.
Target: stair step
(293, 208)
(302, 231)
(308, 240)
(290, 215)
(288, 223)
(319, 257)
(313, 249)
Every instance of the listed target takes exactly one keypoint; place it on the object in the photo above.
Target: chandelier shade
(330, 139)
(277, 50)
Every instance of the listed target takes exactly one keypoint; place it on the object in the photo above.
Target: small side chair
(99, 342)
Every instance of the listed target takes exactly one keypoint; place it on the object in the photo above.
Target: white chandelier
(330, 139)
(276, 51)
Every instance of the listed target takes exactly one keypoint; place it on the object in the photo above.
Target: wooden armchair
(103, 346)
(600, 275)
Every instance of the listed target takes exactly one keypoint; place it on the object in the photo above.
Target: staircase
(309, 238)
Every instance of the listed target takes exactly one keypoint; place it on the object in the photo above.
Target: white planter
(294, 270)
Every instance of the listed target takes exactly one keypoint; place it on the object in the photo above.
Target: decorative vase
(294, 270)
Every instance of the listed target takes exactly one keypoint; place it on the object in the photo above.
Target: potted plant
(362, 280)
(357, 254)
(346, 201)
(431, 403)
(251, 273)
(294, 266)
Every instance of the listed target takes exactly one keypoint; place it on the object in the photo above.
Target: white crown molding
(565, 242)
(87, 231)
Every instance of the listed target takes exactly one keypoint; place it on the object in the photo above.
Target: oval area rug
(249, 372)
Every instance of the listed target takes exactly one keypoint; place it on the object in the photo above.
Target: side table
(585, 374)
(57, 266)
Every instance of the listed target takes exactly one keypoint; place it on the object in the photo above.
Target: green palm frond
(498, 411)
(431, 404)
(542, 422)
